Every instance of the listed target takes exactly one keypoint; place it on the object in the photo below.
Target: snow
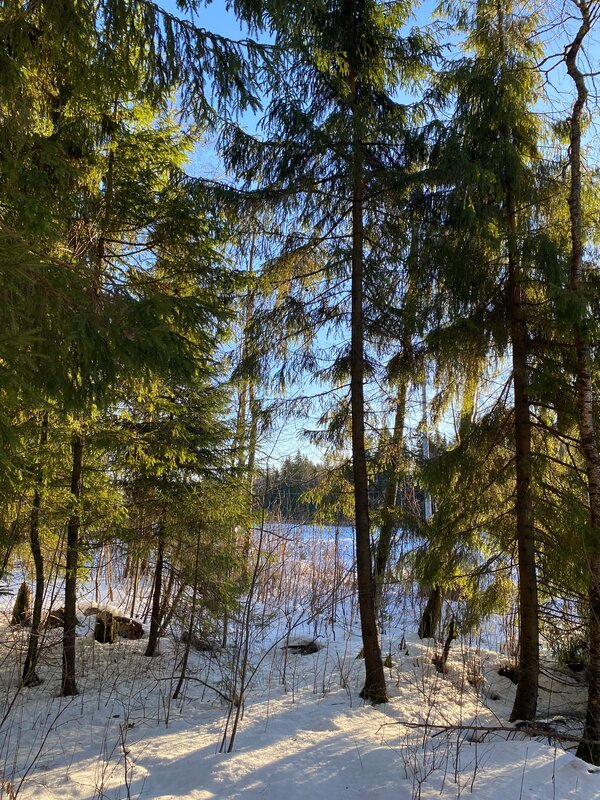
(304, 734)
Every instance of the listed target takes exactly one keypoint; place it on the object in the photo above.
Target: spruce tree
(493, 140)
(333, 132)
(96, 205)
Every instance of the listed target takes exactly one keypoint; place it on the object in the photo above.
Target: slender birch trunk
(589, 749)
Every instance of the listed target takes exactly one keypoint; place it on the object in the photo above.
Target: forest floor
(304, 732)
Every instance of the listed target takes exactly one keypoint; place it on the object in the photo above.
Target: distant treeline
(281, 490)
(299, 490)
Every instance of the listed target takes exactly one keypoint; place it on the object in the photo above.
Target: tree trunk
(388, 523)
(136, 577)
(69, 685)
(252, 436)
(589, 748)
(374, 688)
(30, 677)
(192, 625)
(11, 540)
(155, 616)
(441, 662)
(525, 703)
(432, 615)
(169, 607)
(246, 388)
(239, 441)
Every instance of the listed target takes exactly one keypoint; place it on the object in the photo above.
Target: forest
(373, 222)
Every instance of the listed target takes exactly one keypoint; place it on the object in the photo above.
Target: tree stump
(21, 614)
(106, 628)
(129, 628)
(55, 619)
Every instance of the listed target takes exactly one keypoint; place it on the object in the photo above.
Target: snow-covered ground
(304, 734)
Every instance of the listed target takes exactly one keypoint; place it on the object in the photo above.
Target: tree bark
(169, 607)
(30, 676)
(12, 539)
(374, 688)
(388, 524)
(69, 684)
(192, 623)
(156, 596)
(432, 615)
(589, 748)
(246, 387)
(525, 703)
(135, 579)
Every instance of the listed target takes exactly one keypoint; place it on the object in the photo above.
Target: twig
(225, 697)
(528, 730)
